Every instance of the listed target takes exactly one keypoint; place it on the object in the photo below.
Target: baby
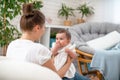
(59, 51)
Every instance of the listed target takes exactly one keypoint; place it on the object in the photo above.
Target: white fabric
(106, 41)
(17, 70)
(26, 50)
(61, 58)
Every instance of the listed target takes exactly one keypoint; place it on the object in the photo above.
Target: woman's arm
(61, 72)
(70, 53)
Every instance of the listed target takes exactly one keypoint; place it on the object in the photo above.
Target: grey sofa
(84, 32)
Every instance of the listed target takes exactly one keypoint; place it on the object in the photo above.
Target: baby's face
(62, 40)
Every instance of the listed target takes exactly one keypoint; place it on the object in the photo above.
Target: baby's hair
(31, 17)
(68, 35)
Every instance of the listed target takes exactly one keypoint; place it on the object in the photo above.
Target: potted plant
(9, 9)
(66, 12)
(84, 10)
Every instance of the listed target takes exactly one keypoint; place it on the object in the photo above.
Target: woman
(32, 25)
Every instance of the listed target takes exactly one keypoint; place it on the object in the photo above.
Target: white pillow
(16, 70)
(106, 41)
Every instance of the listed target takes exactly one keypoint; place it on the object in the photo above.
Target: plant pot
(67, 23)
(4, 50)
(80, 21)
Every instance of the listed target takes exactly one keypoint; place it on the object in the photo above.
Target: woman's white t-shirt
(26, 50)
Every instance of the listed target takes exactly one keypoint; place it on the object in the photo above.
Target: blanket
(108, 62)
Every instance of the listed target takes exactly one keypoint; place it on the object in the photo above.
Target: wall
(51, 8)
(116, 17)
(105, 10)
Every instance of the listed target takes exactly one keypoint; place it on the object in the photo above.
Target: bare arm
(71, 53)
(61, 72)
(50, 64)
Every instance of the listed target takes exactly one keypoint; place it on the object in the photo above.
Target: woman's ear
(36, 28)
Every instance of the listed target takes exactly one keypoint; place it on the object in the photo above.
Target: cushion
(106, 41)
(16, 70)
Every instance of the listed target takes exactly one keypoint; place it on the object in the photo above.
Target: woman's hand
(70, 53)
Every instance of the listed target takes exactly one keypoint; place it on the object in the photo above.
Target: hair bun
(28, 9)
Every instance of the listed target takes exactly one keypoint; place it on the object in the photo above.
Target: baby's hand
(55, 48)
(70, 53)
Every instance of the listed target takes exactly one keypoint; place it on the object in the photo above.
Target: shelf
(57, 26)
(45, 40)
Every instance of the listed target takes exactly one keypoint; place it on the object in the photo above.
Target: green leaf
(85, 10)
(66, 11)
(9, 9)
(37, 4)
